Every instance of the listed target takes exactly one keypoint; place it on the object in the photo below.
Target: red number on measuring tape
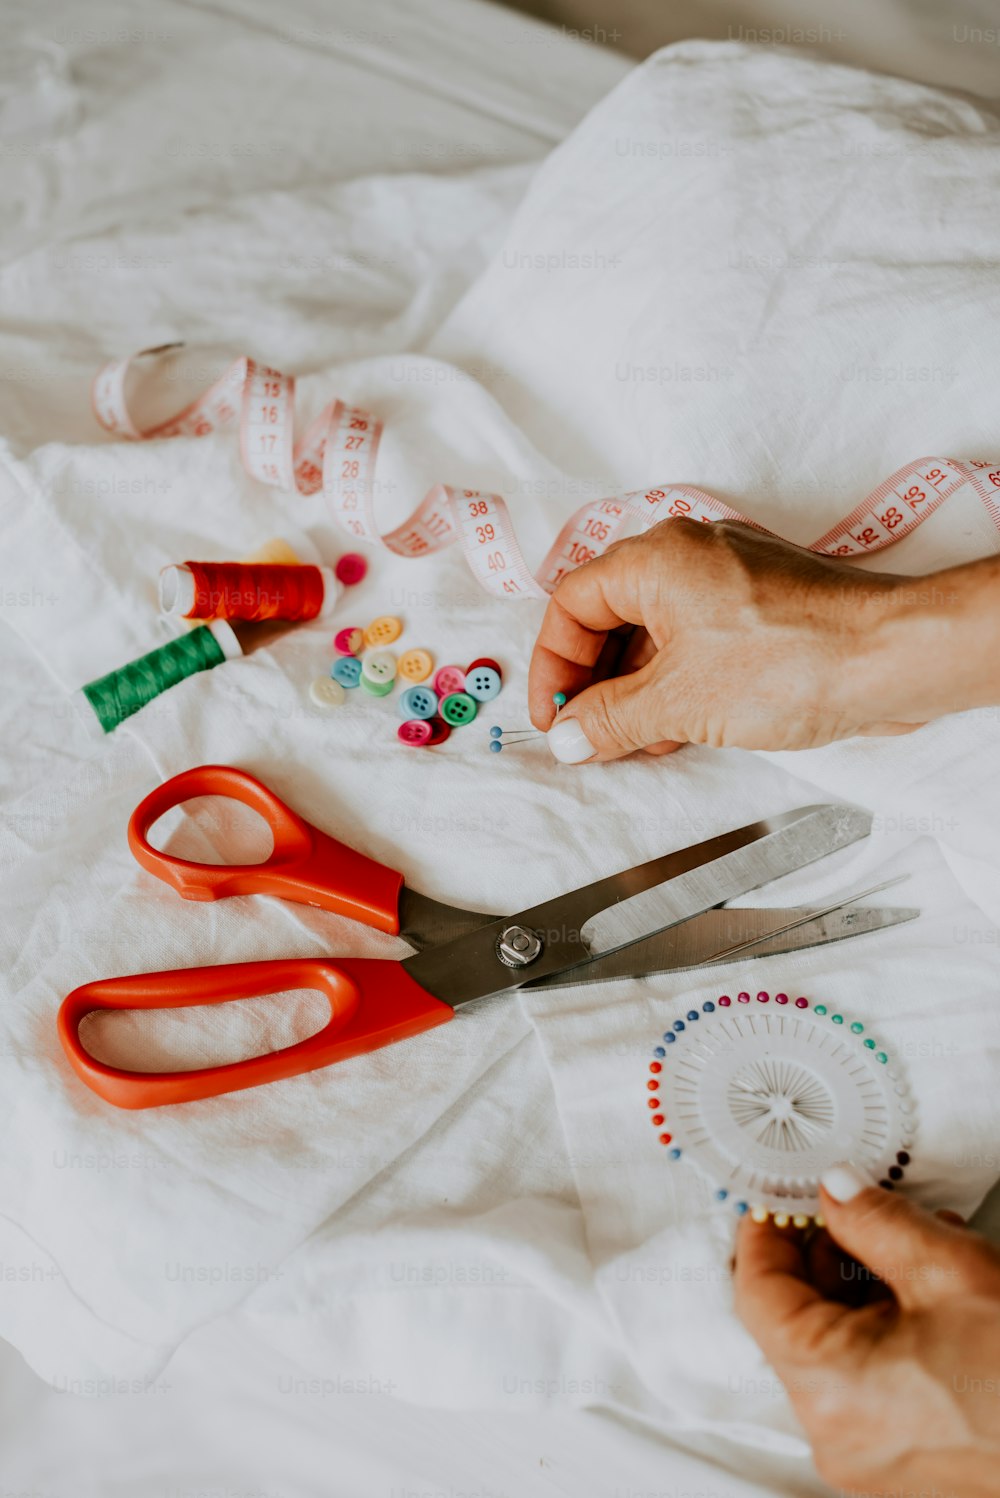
(496, 561)
(599, 529)
(914, 497)
(479, 507)
(579, 553)
(891, 518)
(485, 533)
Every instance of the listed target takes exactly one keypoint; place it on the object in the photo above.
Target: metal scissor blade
(710, 937)
(424, 922)
(629, 906)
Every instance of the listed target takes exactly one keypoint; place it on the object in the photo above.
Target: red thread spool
(247, 590)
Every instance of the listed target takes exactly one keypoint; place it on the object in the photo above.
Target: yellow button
(416, 665)
(383, 630)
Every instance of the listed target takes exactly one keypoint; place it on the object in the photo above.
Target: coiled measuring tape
(338, 451)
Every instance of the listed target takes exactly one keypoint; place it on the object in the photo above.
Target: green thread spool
(121, 693)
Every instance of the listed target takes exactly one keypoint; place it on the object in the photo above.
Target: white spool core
(177, 590)
(225, 636)
(332, 591)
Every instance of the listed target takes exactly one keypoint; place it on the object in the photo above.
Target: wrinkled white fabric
(481, 1214)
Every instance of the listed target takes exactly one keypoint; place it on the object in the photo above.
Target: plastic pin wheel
(762, 1100)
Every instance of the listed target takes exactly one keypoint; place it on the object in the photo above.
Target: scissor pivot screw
(517, 946)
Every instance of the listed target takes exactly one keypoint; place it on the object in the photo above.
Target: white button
(326, 692)
(379, 666)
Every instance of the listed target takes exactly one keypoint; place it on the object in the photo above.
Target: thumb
(921, 1258)
(608, 720)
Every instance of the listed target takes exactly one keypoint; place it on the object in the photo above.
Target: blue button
(346, 670)
(418, 702)
(483, 683)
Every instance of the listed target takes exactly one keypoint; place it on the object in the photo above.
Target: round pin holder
(763, 1095)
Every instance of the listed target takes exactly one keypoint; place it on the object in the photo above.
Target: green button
(458, 709)
(377, 688)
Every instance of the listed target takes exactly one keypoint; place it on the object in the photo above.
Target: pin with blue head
(500, 737)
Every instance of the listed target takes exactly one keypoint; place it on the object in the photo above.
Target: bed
(454, 1303)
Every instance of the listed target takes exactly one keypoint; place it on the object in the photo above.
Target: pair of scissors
(656, 917)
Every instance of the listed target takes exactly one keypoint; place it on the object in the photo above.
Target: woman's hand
(893, 1369)
(738, 639)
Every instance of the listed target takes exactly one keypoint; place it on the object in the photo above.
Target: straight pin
(500, 737)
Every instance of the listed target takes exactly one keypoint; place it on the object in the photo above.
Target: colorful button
(383, 630)
(418, 702)
(379, 666)
(416, 665)
(349, 641)
(449, 679)
(483, 683)
(458, 708)
(346, 670)
(326, 692)
(377, 688)
(350, 568)
(439, 732)
(484, 660)
(416, 732)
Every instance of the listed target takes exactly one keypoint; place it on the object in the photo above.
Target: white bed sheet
(480, 1192)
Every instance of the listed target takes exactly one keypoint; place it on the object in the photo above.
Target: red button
(415, 731)
(483, 660)
(350, 568)
(439, 731)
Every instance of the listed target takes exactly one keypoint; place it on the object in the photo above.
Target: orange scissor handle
(305, 864)
(373, 1003)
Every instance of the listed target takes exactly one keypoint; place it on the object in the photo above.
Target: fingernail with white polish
(843, 1182)
(568, 742)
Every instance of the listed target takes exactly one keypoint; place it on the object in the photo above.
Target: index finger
(574, 631)
(780, 1309)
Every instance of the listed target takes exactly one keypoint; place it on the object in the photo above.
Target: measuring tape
(338, 452)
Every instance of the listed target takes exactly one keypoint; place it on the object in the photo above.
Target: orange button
(383, 630)
(416, 665)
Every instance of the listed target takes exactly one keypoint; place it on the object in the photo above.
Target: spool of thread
(250, 591)
(121, 693)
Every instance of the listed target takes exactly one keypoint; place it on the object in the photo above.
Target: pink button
(449, 679)
(350, 568)
(349, 641)
(416, 731)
